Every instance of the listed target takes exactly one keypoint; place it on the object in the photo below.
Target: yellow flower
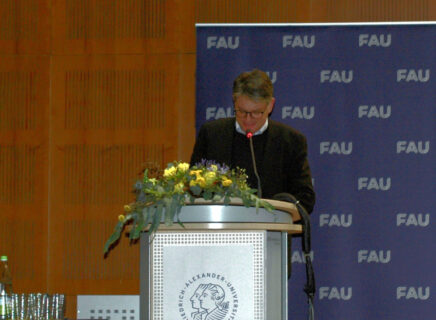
(169, 172)
(227, 182)
(179, 188)
(214, 168)
(195, 172)
(121, 218)
(127, 208)
(210, 177)
(201, 181)
(153, 180)
(193, 183)
(183, 167)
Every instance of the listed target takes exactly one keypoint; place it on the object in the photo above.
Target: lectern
(224, 262)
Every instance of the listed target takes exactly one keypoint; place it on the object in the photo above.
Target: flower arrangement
(162, 195)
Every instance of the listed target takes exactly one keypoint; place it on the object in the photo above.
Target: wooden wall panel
(246, 11)
(372, 10)
(122, 26)
(17, 100)
(289, 11)
(186, 107)
(110, 116)
(24, 103)
(24, 26)
(115, 99)
(17, 184)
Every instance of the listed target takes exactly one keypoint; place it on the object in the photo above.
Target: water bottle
(5, 289)
(6, 277)
(3, 303)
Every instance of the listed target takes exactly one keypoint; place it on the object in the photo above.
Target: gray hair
(254, 84)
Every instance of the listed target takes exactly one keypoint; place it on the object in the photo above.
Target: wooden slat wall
(255, 11)
(109, 117)
(90, 90)
(377, 10)
(25, 26)
(243, 11)
(24, 148)
(123, 26)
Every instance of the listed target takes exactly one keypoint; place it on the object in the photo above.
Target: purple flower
(204, 163)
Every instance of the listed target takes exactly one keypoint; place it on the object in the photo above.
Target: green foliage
(162, 198)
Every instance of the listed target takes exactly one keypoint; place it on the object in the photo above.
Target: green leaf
(207, 195)
(179, 206)
(191, 198)
(181, 224)
(196, 190)
(147, 213)
(156, 219)
(170, 211)
(114, 236)
(268, 206)
(138, 227)
(246, 201)
(216, 197)
(257, 205)
(226, 200)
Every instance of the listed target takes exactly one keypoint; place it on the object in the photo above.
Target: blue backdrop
(365, 97)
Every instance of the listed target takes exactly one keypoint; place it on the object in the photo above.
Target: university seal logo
(208, 296)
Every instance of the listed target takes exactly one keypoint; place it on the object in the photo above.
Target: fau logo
(222, 42)
(296, 112)
(333, 147)
(365, 183)
(376, 40)
(421, 147)
(413, 75)
(375, 111)
(298, 257)
(272, 76)
(343, 76)
(218, 113)
(330, 293)
(370, 256)
(417, 293)
(335, 220)
(298, 41)
(412, 219)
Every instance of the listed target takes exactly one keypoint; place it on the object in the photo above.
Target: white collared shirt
(260, 131)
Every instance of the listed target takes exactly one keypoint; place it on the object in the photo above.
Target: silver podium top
(208, 212)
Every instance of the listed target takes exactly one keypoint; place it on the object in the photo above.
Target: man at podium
(273, 154)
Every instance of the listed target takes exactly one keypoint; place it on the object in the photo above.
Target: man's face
(251, 122)
(195, 299)
(207, 301)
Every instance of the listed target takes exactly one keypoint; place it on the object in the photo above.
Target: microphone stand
(249, 136)
(310, 287)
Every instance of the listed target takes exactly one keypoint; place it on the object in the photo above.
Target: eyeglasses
(244, 114)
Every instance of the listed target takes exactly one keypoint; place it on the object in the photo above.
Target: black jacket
(284, 167)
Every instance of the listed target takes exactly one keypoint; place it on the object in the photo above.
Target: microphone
(249, 136)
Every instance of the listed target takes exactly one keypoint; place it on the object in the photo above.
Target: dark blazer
(284, 168)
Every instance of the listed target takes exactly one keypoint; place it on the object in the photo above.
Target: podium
(226, 262)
